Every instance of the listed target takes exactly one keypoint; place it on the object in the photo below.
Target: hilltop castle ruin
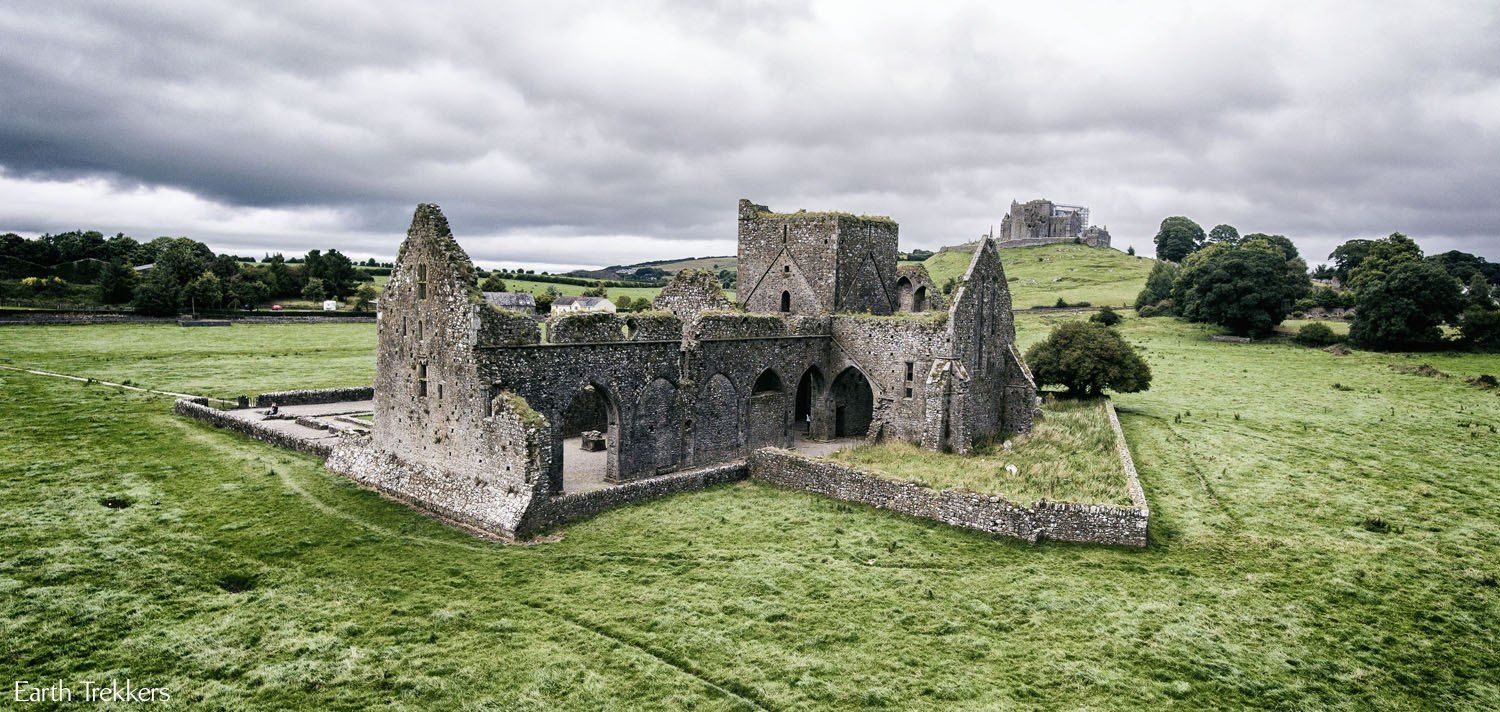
(482, 420)
(1043, 222)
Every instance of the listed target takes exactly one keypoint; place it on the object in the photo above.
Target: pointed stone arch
(716, 425)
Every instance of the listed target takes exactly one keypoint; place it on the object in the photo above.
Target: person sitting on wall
(275, 409)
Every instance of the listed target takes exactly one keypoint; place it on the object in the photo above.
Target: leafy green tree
(204, 292)
(314, 290)
(1086, 358)
(225, 267)
(624, 303)
(1346, 258)
(1464, 265)
(365, 296)
(1249, 289)
(1280, 242)
(180, 259)
(598, 290)
(1178, 238)
(1479, 293)
(1481, 328)
(1405, 307)
(337, 272)
(116, 283)
(493, 283)
(249, 292)
(156, 295)
(1384, 255)
(1225, 234)
(280, 278)
(1158, 285)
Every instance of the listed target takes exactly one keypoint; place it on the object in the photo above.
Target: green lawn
(1326, 549)
(1039, 275)
(1069, 456)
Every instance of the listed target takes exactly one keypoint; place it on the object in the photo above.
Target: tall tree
(1248, 289)
(1177, 238)
(1158, 285)
(1404, 306)
(1223, 234)
(1347, 256)
(116, 283)
(1280, 242)
(337, 272)
(1479, 294)
(1384, 255)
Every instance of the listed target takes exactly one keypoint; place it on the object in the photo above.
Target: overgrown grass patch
(1261, 587)
(1069, 456)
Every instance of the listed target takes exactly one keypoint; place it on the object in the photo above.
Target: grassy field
(220, 362)
(1068, 457)
(1312, 547)
(1039, 275)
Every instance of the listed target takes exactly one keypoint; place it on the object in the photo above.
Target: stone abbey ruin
(1043, 222)
(492, 420)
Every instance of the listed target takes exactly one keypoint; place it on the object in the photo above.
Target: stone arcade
(830, 340)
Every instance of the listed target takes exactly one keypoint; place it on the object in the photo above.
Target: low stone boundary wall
(565, 508)
(1057, 521)
(197, 409)
(314, 397)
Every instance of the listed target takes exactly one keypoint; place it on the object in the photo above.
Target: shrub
(1481, 328)
(1165, 307)
(1061, 303)
(1316, 334)
(1087, 358)
(1107, 317)
(493, 283)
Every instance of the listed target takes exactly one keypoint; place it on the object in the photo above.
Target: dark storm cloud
(569, 133)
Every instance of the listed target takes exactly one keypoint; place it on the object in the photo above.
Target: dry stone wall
(1057, 521)
(198, 410)
(315, 396)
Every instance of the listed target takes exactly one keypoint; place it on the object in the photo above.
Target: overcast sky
(558, 134)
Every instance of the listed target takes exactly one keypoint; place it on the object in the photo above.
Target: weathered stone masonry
(472, 405)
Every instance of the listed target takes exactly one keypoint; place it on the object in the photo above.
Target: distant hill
(1039, 275)
(646, 269)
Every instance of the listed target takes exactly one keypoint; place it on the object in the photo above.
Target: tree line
(178, 272)
(1402, 299)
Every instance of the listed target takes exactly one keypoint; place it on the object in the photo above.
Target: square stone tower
(811, 263)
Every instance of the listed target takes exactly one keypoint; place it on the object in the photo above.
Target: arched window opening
(786, 302)
(853, 404)
(421, 281)
(919, 299)
(767, 382)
